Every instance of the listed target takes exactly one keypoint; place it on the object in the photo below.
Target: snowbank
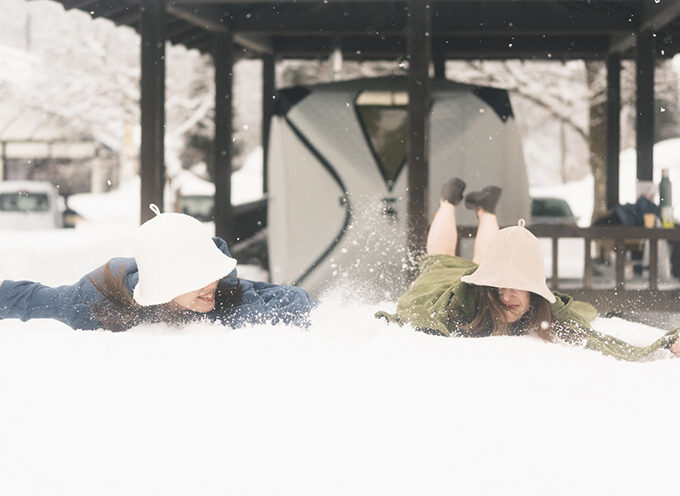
(349, 406)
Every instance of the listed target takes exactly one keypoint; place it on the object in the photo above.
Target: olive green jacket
(438, 299)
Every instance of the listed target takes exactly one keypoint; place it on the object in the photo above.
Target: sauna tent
(337, 177)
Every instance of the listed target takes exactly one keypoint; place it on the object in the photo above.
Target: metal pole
(152, 158)
(224, 64)
(644, 122)
(613, 128)
(419, 49)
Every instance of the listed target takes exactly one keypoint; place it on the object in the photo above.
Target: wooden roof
(376, 29)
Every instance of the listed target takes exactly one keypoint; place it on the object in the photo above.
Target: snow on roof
(16, 65)
(32, 186)
(189, 183)
(19, 123)
(33, 133)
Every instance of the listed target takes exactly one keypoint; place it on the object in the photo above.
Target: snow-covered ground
(349, 406)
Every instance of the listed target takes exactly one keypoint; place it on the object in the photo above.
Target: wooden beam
(122, 13)
(110, 10)
(201, 2)
(223, 57)
(621, 43)
(207, 17)
(535, 18)
(449, 47)
(259, 44)
(129, 18)
(193, 2)
(377, 2)
(613, 128)
(180, 28)
(419, 50)
(654, 18)
(78, 4)
(215, 21)
(192, 38)
(659, 14)
(489, 18)
(549, 47)
(644, 104)
(203, 46)
(152, 105)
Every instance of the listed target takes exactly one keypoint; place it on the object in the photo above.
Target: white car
(29, 205)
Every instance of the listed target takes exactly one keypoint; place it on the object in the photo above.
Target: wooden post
(555, 280)
(268, 95)
(3, 163)
(587, 266)
(620, 251)
(613, 128)
(439, 63)
(653, 264)
(152, 156)
(223, 58)
(419, 22)
(644, 122)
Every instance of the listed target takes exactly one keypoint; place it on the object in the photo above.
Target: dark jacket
(71, 304)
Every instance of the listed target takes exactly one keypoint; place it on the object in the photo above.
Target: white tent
(337, 176)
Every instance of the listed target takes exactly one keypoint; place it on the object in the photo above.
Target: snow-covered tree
(87, 71)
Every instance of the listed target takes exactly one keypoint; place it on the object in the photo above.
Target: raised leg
(488, 227)
(443, 236)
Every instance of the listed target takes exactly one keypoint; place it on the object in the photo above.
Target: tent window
(384, 118)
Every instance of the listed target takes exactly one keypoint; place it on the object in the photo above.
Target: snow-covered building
(44, 134)
(38, 145)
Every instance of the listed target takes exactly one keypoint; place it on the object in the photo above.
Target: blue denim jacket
(71, 304)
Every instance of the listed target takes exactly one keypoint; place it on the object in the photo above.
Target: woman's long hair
(489, 317)
(119, 311)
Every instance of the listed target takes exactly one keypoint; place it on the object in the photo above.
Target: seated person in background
(502, 291)
(178, 275)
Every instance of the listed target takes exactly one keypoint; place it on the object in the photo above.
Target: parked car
(29, 205)
(202, 207)
(249, 218)
(554, 211)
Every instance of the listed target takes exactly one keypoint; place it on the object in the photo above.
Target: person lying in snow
(179, 274)
(502, 291)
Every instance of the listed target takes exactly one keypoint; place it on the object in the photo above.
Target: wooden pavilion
(424, 32)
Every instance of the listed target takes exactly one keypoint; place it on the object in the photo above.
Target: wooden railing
(619, 299)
